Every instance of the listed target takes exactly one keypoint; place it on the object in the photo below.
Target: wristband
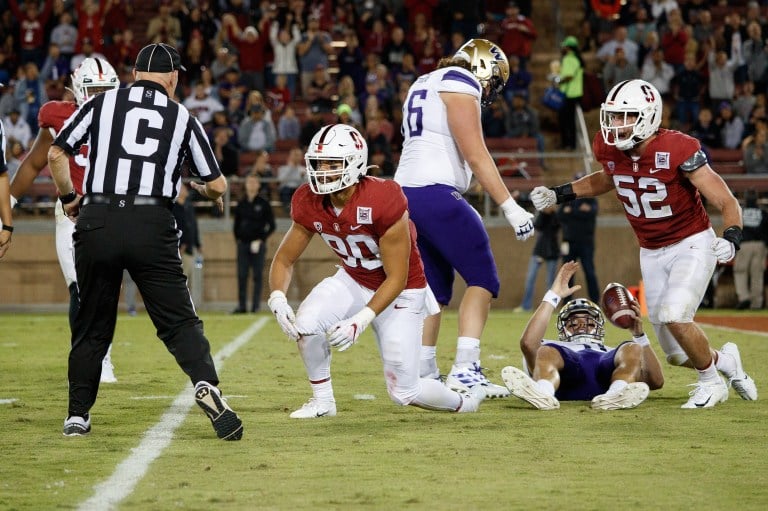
(68, 197)
(551, 298)
(642, 340)
(564, 193)
(8, 228)
(734, 235)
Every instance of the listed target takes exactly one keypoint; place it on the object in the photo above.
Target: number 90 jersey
(354, 233)
(430, 155)
(660, 202)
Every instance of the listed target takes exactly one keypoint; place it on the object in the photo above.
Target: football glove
(724, 250)
(283, 312)
(345, 333)
(520, 219)
(543, 197)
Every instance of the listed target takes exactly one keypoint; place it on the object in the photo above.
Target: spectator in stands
(756, 153)
(734, 32)
(225, 149)
(375, 39)
(198, 20)
(89, 15)
(758, 119)
(640, 26)
(232, 91)
(194, 60)
(618, 68)
(706, 131)
(289, 126)
(65, 35)
(321, 90)
(524, 121)
(619, 40)
(545, 251)
(311, 126)
(495, 119)
(745, 100)
(519, 80)
(56, 66)
(731, 126)
(164, 27)
(571, 83)
(690, 84)
(350, 59)
(314, 49)
(202, 105)
(17, 128)
(30, 94)
(14, 155)
(279, 95)
(749, 262)
(290, 176)
(251, 50)
(755, 53)
(407, 72)
(255, 132)
(284, 40)
(224, 61)
(518, 34)
(722, 85)
(674, 40)
(703, 28)
(395, 49)
(263, 169)
(658, 72)
(31, 24)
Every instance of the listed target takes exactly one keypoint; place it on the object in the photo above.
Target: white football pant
(65, 245)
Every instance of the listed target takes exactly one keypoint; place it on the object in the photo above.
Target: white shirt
(430, 154)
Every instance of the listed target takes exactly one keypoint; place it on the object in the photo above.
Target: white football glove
(345, 333)
(520, 219)
(543, 198)
(283, 312)
(723, 249)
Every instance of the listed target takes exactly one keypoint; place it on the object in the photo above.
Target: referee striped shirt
(138, 139)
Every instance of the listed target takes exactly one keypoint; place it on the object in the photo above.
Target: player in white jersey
(579, 366)
(443, 149)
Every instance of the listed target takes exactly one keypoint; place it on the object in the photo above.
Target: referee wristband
(8, 228)
(642, 340)
(68, 197)
(551, 298)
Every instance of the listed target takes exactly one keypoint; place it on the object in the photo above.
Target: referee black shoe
(225, 421)
(75, 425)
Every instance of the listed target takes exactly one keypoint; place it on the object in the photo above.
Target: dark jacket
(254, 220)
(578, 226)
(186, 222)
(547, 229)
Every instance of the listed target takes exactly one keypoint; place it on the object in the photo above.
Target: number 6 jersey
(353, 233)
(660, 202)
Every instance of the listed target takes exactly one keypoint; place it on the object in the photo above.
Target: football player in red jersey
(93, 76)
(364, 221)
(660, 175)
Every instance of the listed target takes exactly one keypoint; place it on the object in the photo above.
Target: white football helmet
(345, 149)
(593, 331)
(631, 113)
(489, 64)
(93, 76)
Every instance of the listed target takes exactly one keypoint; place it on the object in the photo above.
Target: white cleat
(464, 378)
(522, 386)
(314, 408)
(707, 395)
(471, 399)
(628, 397)
(107, 371)
(741, 382)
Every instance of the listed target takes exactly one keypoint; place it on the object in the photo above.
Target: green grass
(373, 455)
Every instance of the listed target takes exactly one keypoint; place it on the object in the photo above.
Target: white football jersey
(430, 155)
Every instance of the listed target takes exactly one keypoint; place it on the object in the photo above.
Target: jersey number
(350, 250)
(415, 113)
(644, 198)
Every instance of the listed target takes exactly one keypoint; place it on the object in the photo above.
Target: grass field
(373, 455)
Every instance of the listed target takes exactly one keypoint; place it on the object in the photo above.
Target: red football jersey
(354, 234)
(661, 204)
(52, 115)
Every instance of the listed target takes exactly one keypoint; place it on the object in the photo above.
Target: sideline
(108, 494)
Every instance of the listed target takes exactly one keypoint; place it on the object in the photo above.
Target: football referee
(5, 198)
(138, 138)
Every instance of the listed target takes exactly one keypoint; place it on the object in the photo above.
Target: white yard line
(109, 493)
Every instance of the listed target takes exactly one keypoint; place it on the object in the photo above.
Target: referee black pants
(144, 240)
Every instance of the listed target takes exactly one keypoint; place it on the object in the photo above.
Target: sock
(428, 362)
(467, 351)
(616, 386)
(725, 363)
(709, 374)
(546, 387)
(323, 391)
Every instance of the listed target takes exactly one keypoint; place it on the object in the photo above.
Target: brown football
(616, 304)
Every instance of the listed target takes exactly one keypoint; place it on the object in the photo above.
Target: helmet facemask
(580, 320)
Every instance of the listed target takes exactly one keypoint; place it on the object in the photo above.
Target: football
(616, 304)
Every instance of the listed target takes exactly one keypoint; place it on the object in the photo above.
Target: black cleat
(225, 421)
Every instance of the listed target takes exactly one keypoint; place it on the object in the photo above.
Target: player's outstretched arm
(34, 162)
(650, 371)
